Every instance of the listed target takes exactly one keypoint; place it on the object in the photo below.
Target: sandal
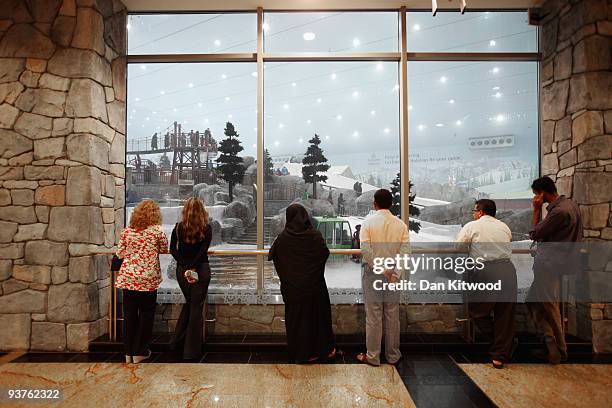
(363, 359)
(497, 364)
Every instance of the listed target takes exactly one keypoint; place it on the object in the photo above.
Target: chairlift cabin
(336, 231)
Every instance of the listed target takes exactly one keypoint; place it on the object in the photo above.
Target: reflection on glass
(343, 120)
(191, 33)
(332, 32)
(184, 120)
(494, 31)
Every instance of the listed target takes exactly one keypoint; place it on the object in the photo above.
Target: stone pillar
(576, 131)
(62, 144)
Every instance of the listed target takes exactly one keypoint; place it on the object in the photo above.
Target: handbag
(192, 273)
(116, 263)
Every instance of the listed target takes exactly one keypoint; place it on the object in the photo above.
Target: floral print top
(140, 251)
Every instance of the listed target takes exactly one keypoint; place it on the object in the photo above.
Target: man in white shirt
(488, 238)
(383, 235)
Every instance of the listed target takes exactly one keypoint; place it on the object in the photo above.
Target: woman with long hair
(189, 246)
(139, 277)
(299, 254)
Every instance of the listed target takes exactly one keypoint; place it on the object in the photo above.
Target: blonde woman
(139, 277)
(189, 246)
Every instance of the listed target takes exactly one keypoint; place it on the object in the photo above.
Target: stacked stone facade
(62, 155)
(576, 131)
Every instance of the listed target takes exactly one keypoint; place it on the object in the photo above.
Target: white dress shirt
(383, 235)
(487, 238)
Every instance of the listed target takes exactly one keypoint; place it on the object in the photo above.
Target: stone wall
(346, 319)
(576, 129)
(62, 144)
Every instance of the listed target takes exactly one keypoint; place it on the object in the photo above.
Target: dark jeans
(138, 316)
(190, 325)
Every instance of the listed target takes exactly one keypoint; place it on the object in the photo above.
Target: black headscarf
(299, 254)
(298, 220)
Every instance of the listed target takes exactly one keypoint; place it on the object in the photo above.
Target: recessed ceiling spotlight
(293, 84)
(217, 43)
(451, 101)
(409, 107)
(339, 117)
(285, 106)
(492, 43)
(458, 123)
(498, 95)
(416, 27)
(309, 36)
(386, 130)
(443, 79)
(355, 94)
(356, 42)
(333, 75)
(223, 76)
(495, 70)
(254, 74)
(227, 98)
(439, 124)
(421, 127)
(265, 26)
(319, 100)
(372, 112)
(379, 66)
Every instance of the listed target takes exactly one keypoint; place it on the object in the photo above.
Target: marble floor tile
(204, 385)
(544, 385)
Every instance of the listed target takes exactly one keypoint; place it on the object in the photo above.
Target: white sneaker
(128, 359)
(140, 359)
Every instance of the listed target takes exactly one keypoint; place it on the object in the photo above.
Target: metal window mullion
(191, 58)
(260, 151)
(473, 56)
(326, 57)
(404, 168)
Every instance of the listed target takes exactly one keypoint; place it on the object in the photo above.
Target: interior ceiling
(215, 5)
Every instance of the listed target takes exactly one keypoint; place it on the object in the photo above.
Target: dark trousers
(138, 316)
(543, 301)
(190, 325)
(499, 328)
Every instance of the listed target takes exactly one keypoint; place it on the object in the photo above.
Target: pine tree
(396, 206)
(268, 165)
(164, 162)
(230, 166)
(314, 163)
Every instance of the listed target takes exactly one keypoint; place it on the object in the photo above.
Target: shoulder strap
(178, 238)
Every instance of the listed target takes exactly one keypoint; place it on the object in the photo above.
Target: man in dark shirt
(562, 224)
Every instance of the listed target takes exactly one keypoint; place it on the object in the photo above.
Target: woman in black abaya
(299, 254)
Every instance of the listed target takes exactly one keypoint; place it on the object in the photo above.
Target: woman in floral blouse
(139, 277)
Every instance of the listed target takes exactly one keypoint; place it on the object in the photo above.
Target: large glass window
(333, 32)
(178, 116)
(191, 33)
(487, 31)
(348, 110)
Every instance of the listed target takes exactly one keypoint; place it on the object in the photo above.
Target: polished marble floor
(545, 386)
(261, 379)
(204, 385)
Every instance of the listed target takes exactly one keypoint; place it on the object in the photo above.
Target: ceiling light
(416, 27)
(300, 140)
(229, 116)
(386, 130)
(439, 124)
(309, 36)
(137, 99)
(309, 121)
(372, 112)
(265, 26)
(458, 123)
(254, 74)
(500, 118)
(333, 76)
(421, 127)
(280, 125)
(319, 100)
(217, 43)
(492, 43)
(285, 106)
(356, 42)
(443, 79)
(395, 88)
(293, 84)
(227, 98)
(276, 143)
(409, 107)
(498, 95)
(223, 76)
(143, 67)
(495, 70)
(326, 137)
(162, 92)
(339, 117)
(128, 26)
(495, 88)
(355, 134)
(355, 94)
(174, 110)
(451, 101)
(379, 66)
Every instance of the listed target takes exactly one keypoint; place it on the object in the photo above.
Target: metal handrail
(256, 252)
